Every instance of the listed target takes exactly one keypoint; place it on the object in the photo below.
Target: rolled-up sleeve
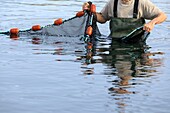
(150, 11)
(107, 11)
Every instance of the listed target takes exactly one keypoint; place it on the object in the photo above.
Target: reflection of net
(72, 27)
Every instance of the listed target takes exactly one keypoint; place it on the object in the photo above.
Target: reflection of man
(124, 61)
(125, 15)
(124, 71)
(129, 61)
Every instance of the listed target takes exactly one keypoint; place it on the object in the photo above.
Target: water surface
(61, 75)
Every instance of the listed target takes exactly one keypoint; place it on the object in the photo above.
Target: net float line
(58, 21)
(89, 30)
(80, 14)
(90, 24)
(36, 27)
(93, 8)
(86, 26)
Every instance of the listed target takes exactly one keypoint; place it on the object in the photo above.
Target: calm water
(52, 77)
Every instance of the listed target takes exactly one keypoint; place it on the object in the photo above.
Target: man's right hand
(86, 6)
(100, 18)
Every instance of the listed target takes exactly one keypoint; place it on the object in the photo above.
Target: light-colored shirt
(146, 9)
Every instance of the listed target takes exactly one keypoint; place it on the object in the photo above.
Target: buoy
(80, 14)
(93, 8)
(58, 21)
(89, 31)
(14, 31)
(36, 27)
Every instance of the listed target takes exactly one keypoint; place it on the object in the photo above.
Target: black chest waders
(128, 30)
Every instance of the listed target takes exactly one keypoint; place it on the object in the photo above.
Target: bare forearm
(159, 19)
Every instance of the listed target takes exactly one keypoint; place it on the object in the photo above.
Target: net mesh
(72, 27)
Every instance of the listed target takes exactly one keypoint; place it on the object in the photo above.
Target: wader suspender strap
(115, 8)
(135, 10)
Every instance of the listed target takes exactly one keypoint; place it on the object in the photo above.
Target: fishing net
(82, 25)
(73, 27)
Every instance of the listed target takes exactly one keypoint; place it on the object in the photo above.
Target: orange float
(36, 27)
(89, 31)
(14, 31)
(80, 14)
(58, 21)
(93, 8)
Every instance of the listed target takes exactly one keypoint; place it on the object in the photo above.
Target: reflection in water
(90, 51)
(14, 36)
(128, 62)
(36, 40)
(31, 75)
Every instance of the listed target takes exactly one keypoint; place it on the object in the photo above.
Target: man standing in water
(125, 15)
